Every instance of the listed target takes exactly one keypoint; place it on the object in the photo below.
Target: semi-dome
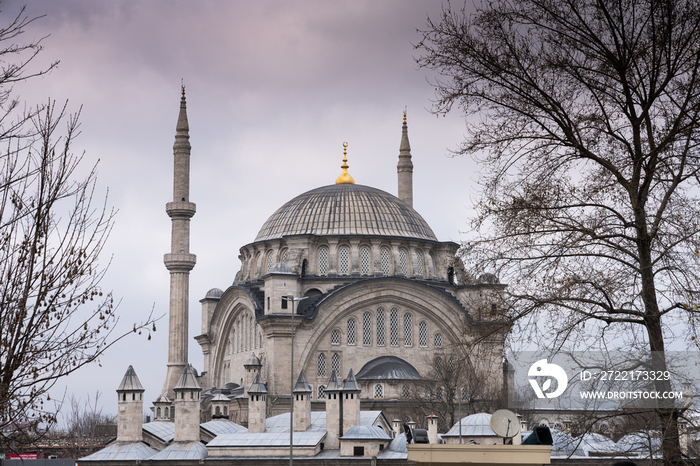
(346, 209)
(388, 368)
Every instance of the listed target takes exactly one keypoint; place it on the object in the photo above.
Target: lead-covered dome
(346, 209)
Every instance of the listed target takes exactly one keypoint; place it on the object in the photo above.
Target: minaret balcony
(181, 262)
(180, 209)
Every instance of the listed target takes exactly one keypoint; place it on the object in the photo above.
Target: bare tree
(85, 424)
(585, 116)
(54, 318)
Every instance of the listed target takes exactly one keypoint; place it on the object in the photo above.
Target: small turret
(162, 409)
(351, 402)
(433, 428)
(219, 406)
(130, 417)
(187, 394)
(333, 412)
(302, 404)
(252, 367)
(257, 405)
(405, 166)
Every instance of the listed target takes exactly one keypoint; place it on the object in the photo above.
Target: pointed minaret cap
(188, 380)
(301, 385)
(130, 382)
(350, 384)
(182, 124)
(344, 177)
(333, 385)
(405, 147)
(258, 387)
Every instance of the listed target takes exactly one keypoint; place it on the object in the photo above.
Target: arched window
(419, 264)
(335, 363)
(407, 330)
(403, 262)
(270, 261)
(423, 334)
(285, 255)
(378, 390)
(351, 331)
(406, 391)
(323, 260)
(394, 327)
(218, 411)
(364, 260)
(225, 410)
(367, 329)
(385, 258)
(158, 413)
(228, 347)
(380, 327)
(438, 340)
(343, 260)
(321, 392)
(167, 413)
(335, 337)
(321, 365)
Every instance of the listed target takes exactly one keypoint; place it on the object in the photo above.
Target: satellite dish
(505, 423)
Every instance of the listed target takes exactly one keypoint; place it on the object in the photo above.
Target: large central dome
(346, 209)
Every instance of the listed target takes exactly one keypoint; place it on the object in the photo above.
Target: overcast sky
(273, 90)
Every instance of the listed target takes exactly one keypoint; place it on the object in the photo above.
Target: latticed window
(406, 391)
(394, 327)
(407, 330)
(335, 363)
(335, 337)
(423, 334)
(419, 264)
(344, 260)
(367, 329)
(351, 331)
(285, 255)
(321, 365)
(378, 390)
(438, 365)
(385, 258)
(321, 392)
(380, 327)
(439, 393)
(270, 261)
(364, 260)
(438, 340)
(403, 261)
(323, 261)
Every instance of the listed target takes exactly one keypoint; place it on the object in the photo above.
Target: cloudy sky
(273, 90)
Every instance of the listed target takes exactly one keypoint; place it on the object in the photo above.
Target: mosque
(342, 279)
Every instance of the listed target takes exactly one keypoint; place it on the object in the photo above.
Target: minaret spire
(405, 166)
(179, 261)
(345, 177)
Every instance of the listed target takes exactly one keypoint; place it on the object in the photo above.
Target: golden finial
(182, 83)
(404, 114)
(344, 177)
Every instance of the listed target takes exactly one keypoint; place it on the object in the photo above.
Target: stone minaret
(187, 394)
(130, 416)
(351, 402)
(179, 262)
(405, 167)
(302, 404)
(257, 405)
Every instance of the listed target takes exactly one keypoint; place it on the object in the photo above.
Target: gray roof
(333, 385)
(252, 360)
(267, 439)
(476, 425)
(162, 430)
(220, 397)
(162, 399)
(182, 451)
(258, 387)
(130, 382)
(214, 293)
(399, 443)
(346, 209)
(350, 384)
(188, 380)
(301, 386)
(388, 368)
(122, 451)
(365, 433)
(280, 423)
(220, 427)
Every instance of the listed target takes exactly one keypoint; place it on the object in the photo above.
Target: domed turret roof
(346, 209)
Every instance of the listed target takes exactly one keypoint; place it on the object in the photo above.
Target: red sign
(22, 456)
